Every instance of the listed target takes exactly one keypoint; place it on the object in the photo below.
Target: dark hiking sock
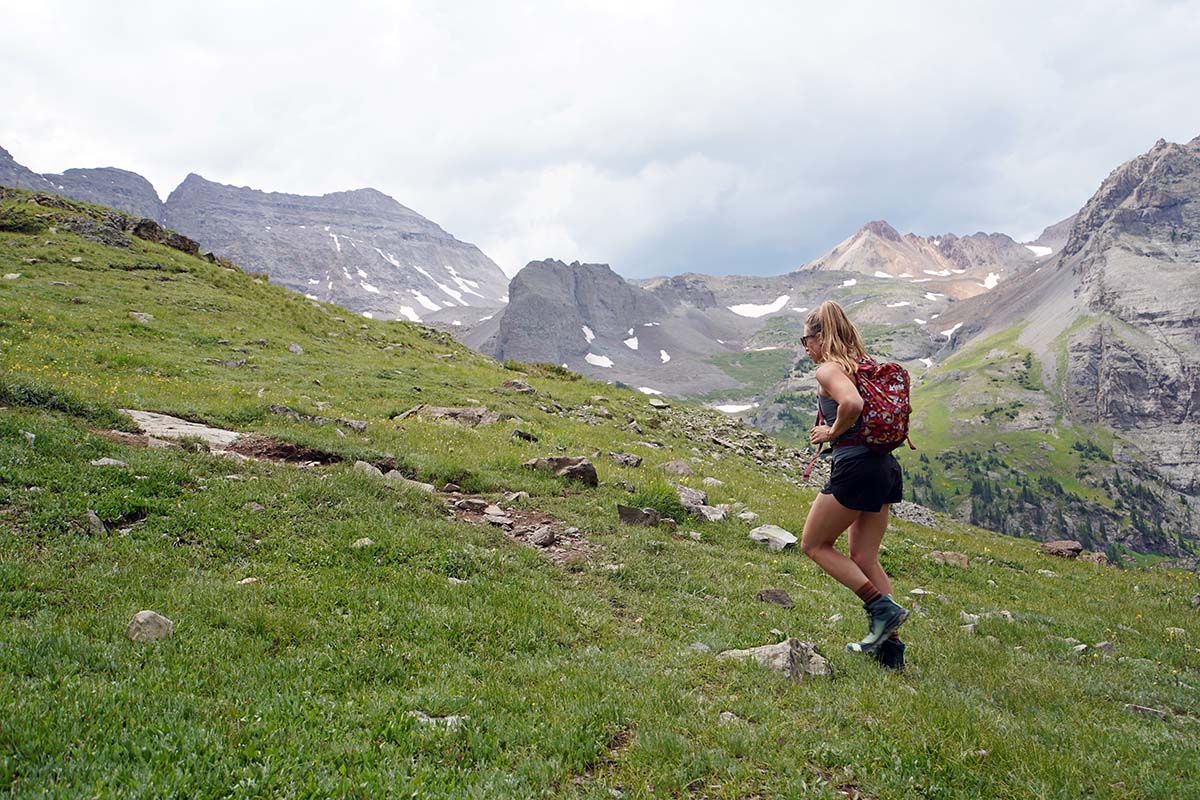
(895, 637)
(868, 593)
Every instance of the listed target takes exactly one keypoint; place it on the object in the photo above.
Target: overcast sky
(658, 137)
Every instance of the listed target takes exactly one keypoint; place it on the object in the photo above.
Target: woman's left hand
(820, 434)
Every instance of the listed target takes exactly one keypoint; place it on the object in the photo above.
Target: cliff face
(1135, 250)
(21, 177)
(108, 186)
(561, 313)
(360, 249)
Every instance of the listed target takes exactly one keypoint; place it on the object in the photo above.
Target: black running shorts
(866, 482)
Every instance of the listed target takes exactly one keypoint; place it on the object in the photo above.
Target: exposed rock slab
(794, 658)
(162, 426)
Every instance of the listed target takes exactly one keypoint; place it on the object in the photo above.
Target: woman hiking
(862, 484)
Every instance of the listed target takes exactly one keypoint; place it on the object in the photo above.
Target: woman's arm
(835, 383)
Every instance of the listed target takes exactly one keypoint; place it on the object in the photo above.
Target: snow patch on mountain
(598, 361)
(753, 310)
(664, 355)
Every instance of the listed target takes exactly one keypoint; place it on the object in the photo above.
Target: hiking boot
(890, 654)
(883, 616)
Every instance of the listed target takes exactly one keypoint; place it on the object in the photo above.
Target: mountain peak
(882, 229)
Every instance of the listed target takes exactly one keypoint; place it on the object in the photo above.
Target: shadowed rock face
(552, 302)
(1135, 248)
(360, 249)
(107, 186)
(21, 177)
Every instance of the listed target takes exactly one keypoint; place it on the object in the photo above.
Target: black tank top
(841, 451)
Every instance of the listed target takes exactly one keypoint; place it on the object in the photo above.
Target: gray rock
(728, 718)
(968, 619)
(912, 512)
(524, 436)
(748, 516)
(502, 520)
(968, 628)
(515, 497)
(1047, 573)
(794, 658)
(626, 459)
(142, 317)
(544, 536)
(681, 468)
(474, 504)
(773, 536)
(948, 557)
(777, 596)
(364, 468)
(1079, 648)
(1196, 601)
(1106, 647)
(1063, 548)
(108, 462)
(520, 387)
(295, 349)
(657, 403)
(95, 524)
(358, 544)
(247, 581)
(396, 477)
(147, 626)
(253, 507)
(1146, 711)
(638, 516)
(690, 497)
(451, 722)
(576, 468)
(467, 417)
(709, 513)
(29, 437)
(699, 647)
(163, 426)
(713, 482)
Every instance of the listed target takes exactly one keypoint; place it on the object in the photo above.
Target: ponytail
(841, 342)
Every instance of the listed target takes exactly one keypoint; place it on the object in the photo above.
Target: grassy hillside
(592, 677)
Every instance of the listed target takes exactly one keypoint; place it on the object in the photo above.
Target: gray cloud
(658, 136)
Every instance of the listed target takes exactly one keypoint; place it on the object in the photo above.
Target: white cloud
(680, 137)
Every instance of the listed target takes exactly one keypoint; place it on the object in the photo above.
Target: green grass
(575, 680)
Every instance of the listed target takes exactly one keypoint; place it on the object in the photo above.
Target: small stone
(1047, 573)
(472, 504)
(656, 403)
(295, 349)
(498, 519)
(777, 596)
(544, 536)
(363, 468)
(520, 387)
(948, 557)
(247, 581)
(1196, 601)
(748, 516)
(991, 582)
(11, 276)
(968, 619)
(834, 618)
(968, 629)
(1007, 615)
(681, 468)
(29, 437)
(95, 524)
(77, 260)
(694, 535)
(713, 482)
(709, 513)
(773, 536)
(690, 497)
(107, 462)
(493, 510)
(728, 718)
(798, 660)
(450, 488)
(1176, 632)
(629, 515)
(146, 626)
(253, 507)
(451, 723)
(515, 497)
(919, 593)
(358, 544)
(142, 317)
(626, 459)
(455, 581)
(1079, 648)
(1106, 647)
(699, 647)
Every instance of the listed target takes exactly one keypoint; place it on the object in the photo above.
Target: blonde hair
(841, 342)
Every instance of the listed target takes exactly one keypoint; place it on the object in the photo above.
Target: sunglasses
(804, 339)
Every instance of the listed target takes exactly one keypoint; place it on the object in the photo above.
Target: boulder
(709, 513)
(794, 658)
(396, 477)
(364, 468)
(638, 516)
(680, 468)
(626, 459)
(544, 536)
(690, 497)
(912, 512)
(1063, 548)
(469, 417)
(949, 557)
(146, 626)
(773, 536)
(1095, 558)
(656, 403)
(576, 468)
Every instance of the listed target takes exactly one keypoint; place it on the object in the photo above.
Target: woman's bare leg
(866, 534)
(827, 520)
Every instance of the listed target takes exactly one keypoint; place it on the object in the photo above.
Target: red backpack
(886, 408)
